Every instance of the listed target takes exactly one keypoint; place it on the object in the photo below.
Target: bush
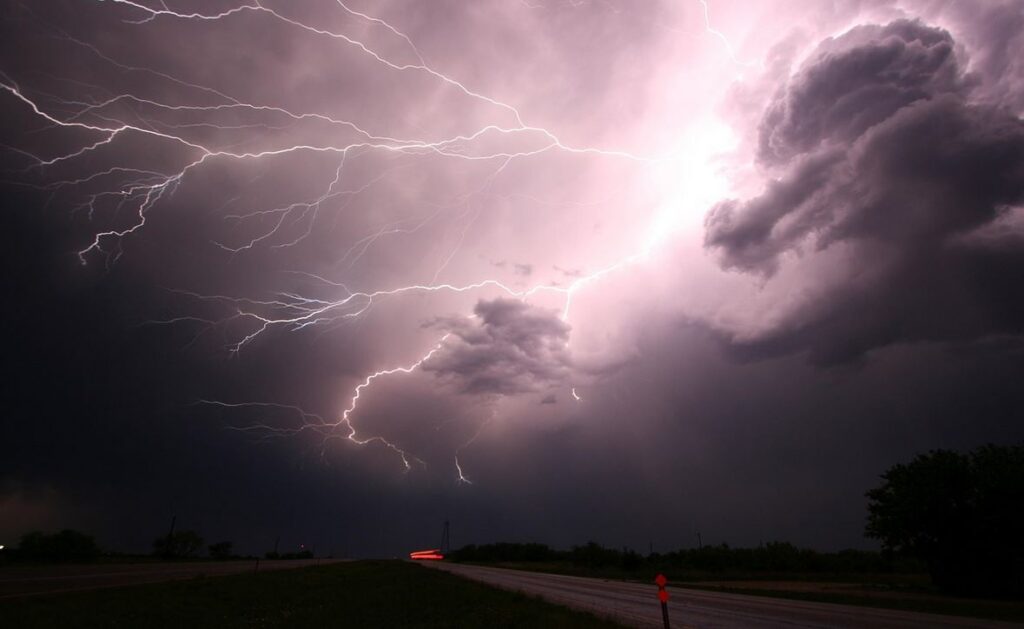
(180, 544)
(65, 546)
(221, 550)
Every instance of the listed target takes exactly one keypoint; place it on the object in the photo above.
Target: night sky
(554, 270)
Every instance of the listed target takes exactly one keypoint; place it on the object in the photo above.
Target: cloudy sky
(556, 270)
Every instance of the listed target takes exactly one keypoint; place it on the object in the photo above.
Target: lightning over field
(498, 254)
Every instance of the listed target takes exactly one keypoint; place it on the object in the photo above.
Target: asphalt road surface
(19, 581)
(637, 604)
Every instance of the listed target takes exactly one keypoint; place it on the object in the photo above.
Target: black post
(664, 614)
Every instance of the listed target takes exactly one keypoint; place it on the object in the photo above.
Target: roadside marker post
(661, 581)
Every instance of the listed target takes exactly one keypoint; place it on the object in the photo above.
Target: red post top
(661, 581)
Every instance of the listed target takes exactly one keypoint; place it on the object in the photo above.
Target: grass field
(356, 594)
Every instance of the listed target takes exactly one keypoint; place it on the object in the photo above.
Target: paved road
(19, 581)
(637, 604)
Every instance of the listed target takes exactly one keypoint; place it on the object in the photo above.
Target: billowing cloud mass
(509, 347)
(881, 146)
(336, 272)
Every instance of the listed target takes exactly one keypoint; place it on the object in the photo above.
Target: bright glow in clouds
(691, 182)
(380, 188)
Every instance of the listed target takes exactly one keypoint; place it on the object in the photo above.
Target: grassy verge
(1011, 611)
(908, 592)
(357, 594)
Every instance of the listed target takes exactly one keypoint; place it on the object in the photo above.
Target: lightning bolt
(462, 477)
(729, 49)
(140, 190)
(345, 416)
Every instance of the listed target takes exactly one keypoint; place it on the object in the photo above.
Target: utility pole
(446, 538)
(700, 544)
(169, 546)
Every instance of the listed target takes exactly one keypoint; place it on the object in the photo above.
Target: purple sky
(555, 270)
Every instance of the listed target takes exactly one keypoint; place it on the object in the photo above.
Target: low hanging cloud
(508, 347)
(884, 144)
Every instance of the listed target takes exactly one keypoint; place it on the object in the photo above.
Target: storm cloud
(509, 347)
(578, 253)
(882, 149)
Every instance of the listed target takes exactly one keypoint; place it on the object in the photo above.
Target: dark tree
(962, 514)
(180, 544)
(220, 550)
(64, 546)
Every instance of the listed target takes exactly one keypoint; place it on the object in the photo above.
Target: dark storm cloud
(665, 436)
(508, 347)
(994, 32)
(882, 149)
(855, 82)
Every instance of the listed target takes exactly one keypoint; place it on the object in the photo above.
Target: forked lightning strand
(140, 189)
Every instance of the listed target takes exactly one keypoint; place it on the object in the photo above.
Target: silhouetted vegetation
(489, 553)
(178, 545)
(962, 514)
(65, 546)
(220, 550)
(302, 554)
(775, 557)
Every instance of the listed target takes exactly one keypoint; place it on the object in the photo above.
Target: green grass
(356, 594)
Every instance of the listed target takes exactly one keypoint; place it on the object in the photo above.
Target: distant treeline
(70, 546)
(65, 546)
(779, 557)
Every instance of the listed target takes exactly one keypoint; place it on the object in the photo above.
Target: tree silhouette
(178, 545)
(220, 550)
(963, 514)
(67, 545)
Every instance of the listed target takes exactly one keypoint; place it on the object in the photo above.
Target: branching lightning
(141, 189)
